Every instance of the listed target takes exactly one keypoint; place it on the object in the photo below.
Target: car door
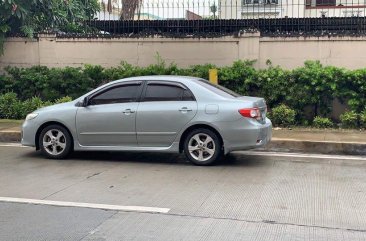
(166, 107)
(109, 119)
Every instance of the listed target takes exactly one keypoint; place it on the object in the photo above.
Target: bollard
(213, 76)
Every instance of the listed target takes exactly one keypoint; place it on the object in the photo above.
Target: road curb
(321, 147)
(277, 144)
(10, 136)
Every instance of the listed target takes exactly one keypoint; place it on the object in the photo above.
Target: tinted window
(187, 96)
(161, 92)
(218, 89)
(119, 94)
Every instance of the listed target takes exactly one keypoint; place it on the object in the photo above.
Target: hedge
(312, 86)
(11, 107)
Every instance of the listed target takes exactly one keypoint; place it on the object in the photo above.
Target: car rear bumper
(247, 135)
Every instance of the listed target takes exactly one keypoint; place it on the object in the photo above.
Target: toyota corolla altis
(155, 114)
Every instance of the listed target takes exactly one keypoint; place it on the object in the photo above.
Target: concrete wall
(288, 52)
(20, 52)
(348, 52)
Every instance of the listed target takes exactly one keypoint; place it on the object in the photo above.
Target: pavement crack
(269, 222)
(96, 228)
(76, 183)
(95, 174)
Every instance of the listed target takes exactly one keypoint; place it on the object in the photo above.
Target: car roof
(160, 77)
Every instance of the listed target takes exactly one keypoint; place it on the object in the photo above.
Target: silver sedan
(155, 114)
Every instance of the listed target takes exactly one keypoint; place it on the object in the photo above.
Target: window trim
(167, 83)
(140, 85)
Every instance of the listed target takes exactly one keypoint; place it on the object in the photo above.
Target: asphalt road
(248, 197)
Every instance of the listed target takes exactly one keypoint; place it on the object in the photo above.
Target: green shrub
(31, 105)
(240, 77)
(63, 100)
(353, 89)
(283, 116)
(321, 122)
(349, 119)
(363, 118)
(13, 108)
(312, 85)
(270, 86)
(10, 106)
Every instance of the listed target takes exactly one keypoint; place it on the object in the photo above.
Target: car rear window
(218, 89)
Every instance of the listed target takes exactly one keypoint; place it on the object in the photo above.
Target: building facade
(249, 9)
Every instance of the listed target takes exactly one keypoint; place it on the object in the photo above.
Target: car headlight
(31, 116)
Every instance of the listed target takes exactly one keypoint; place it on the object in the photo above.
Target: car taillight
(251, 113)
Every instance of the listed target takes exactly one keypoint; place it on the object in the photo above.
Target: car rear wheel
(202, 147)
(55, 142)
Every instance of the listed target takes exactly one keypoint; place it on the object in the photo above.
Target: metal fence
(228, 9)
(220, 17)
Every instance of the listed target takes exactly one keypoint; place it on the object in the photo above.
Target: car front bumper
(29, 129)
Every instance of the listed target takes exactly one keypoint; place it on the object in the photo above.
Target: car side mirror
(86, 102)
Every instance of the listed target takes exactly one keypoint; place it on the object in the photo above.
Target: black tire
(65, 140)
(207, 158)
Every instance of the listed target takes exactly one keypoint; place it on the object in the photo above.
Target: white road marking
(301, 155)
(86, 205)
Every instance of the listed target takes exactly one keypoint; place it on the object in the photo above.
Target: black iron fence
(223, 27)
(186, 18)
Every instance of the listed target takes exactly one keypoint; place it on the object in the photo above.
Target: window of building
(320, 3)
(325, 2)
(258, 2)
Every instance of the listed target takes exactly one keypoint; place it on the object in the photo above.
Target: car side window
(117, 94)
(188, 96)
(166, 92)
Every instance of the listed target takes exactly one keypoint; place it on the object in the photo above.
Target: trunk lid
(259, 103)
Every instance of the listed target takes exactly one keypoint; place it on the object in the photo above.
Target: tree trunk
(129, 8)
(109, 6)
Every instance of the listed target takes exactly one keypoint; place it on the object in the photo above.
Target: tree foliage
(30, 16)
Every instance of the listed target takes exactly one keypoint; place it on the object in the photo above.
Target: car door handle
(128, 111)
(185, 109)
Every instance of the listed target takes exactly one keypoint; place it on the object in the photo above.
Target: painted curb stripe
(301, 155)
(86, 205)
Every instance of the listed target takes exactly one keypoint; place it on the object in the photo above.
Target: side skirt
(174, 148)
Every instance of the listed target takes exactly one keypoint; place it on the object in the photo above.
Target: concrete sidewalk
(324, 141)
(309, 140)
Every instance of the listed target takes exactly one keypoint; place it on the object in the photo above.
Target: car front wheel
(55, 142)
(202, 147)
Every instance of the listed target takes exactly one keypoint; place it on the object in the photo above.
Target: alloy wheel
(201, 147)
(54, 142)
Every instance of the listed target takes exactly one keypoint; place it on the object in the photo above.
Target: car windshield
(218, 89)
